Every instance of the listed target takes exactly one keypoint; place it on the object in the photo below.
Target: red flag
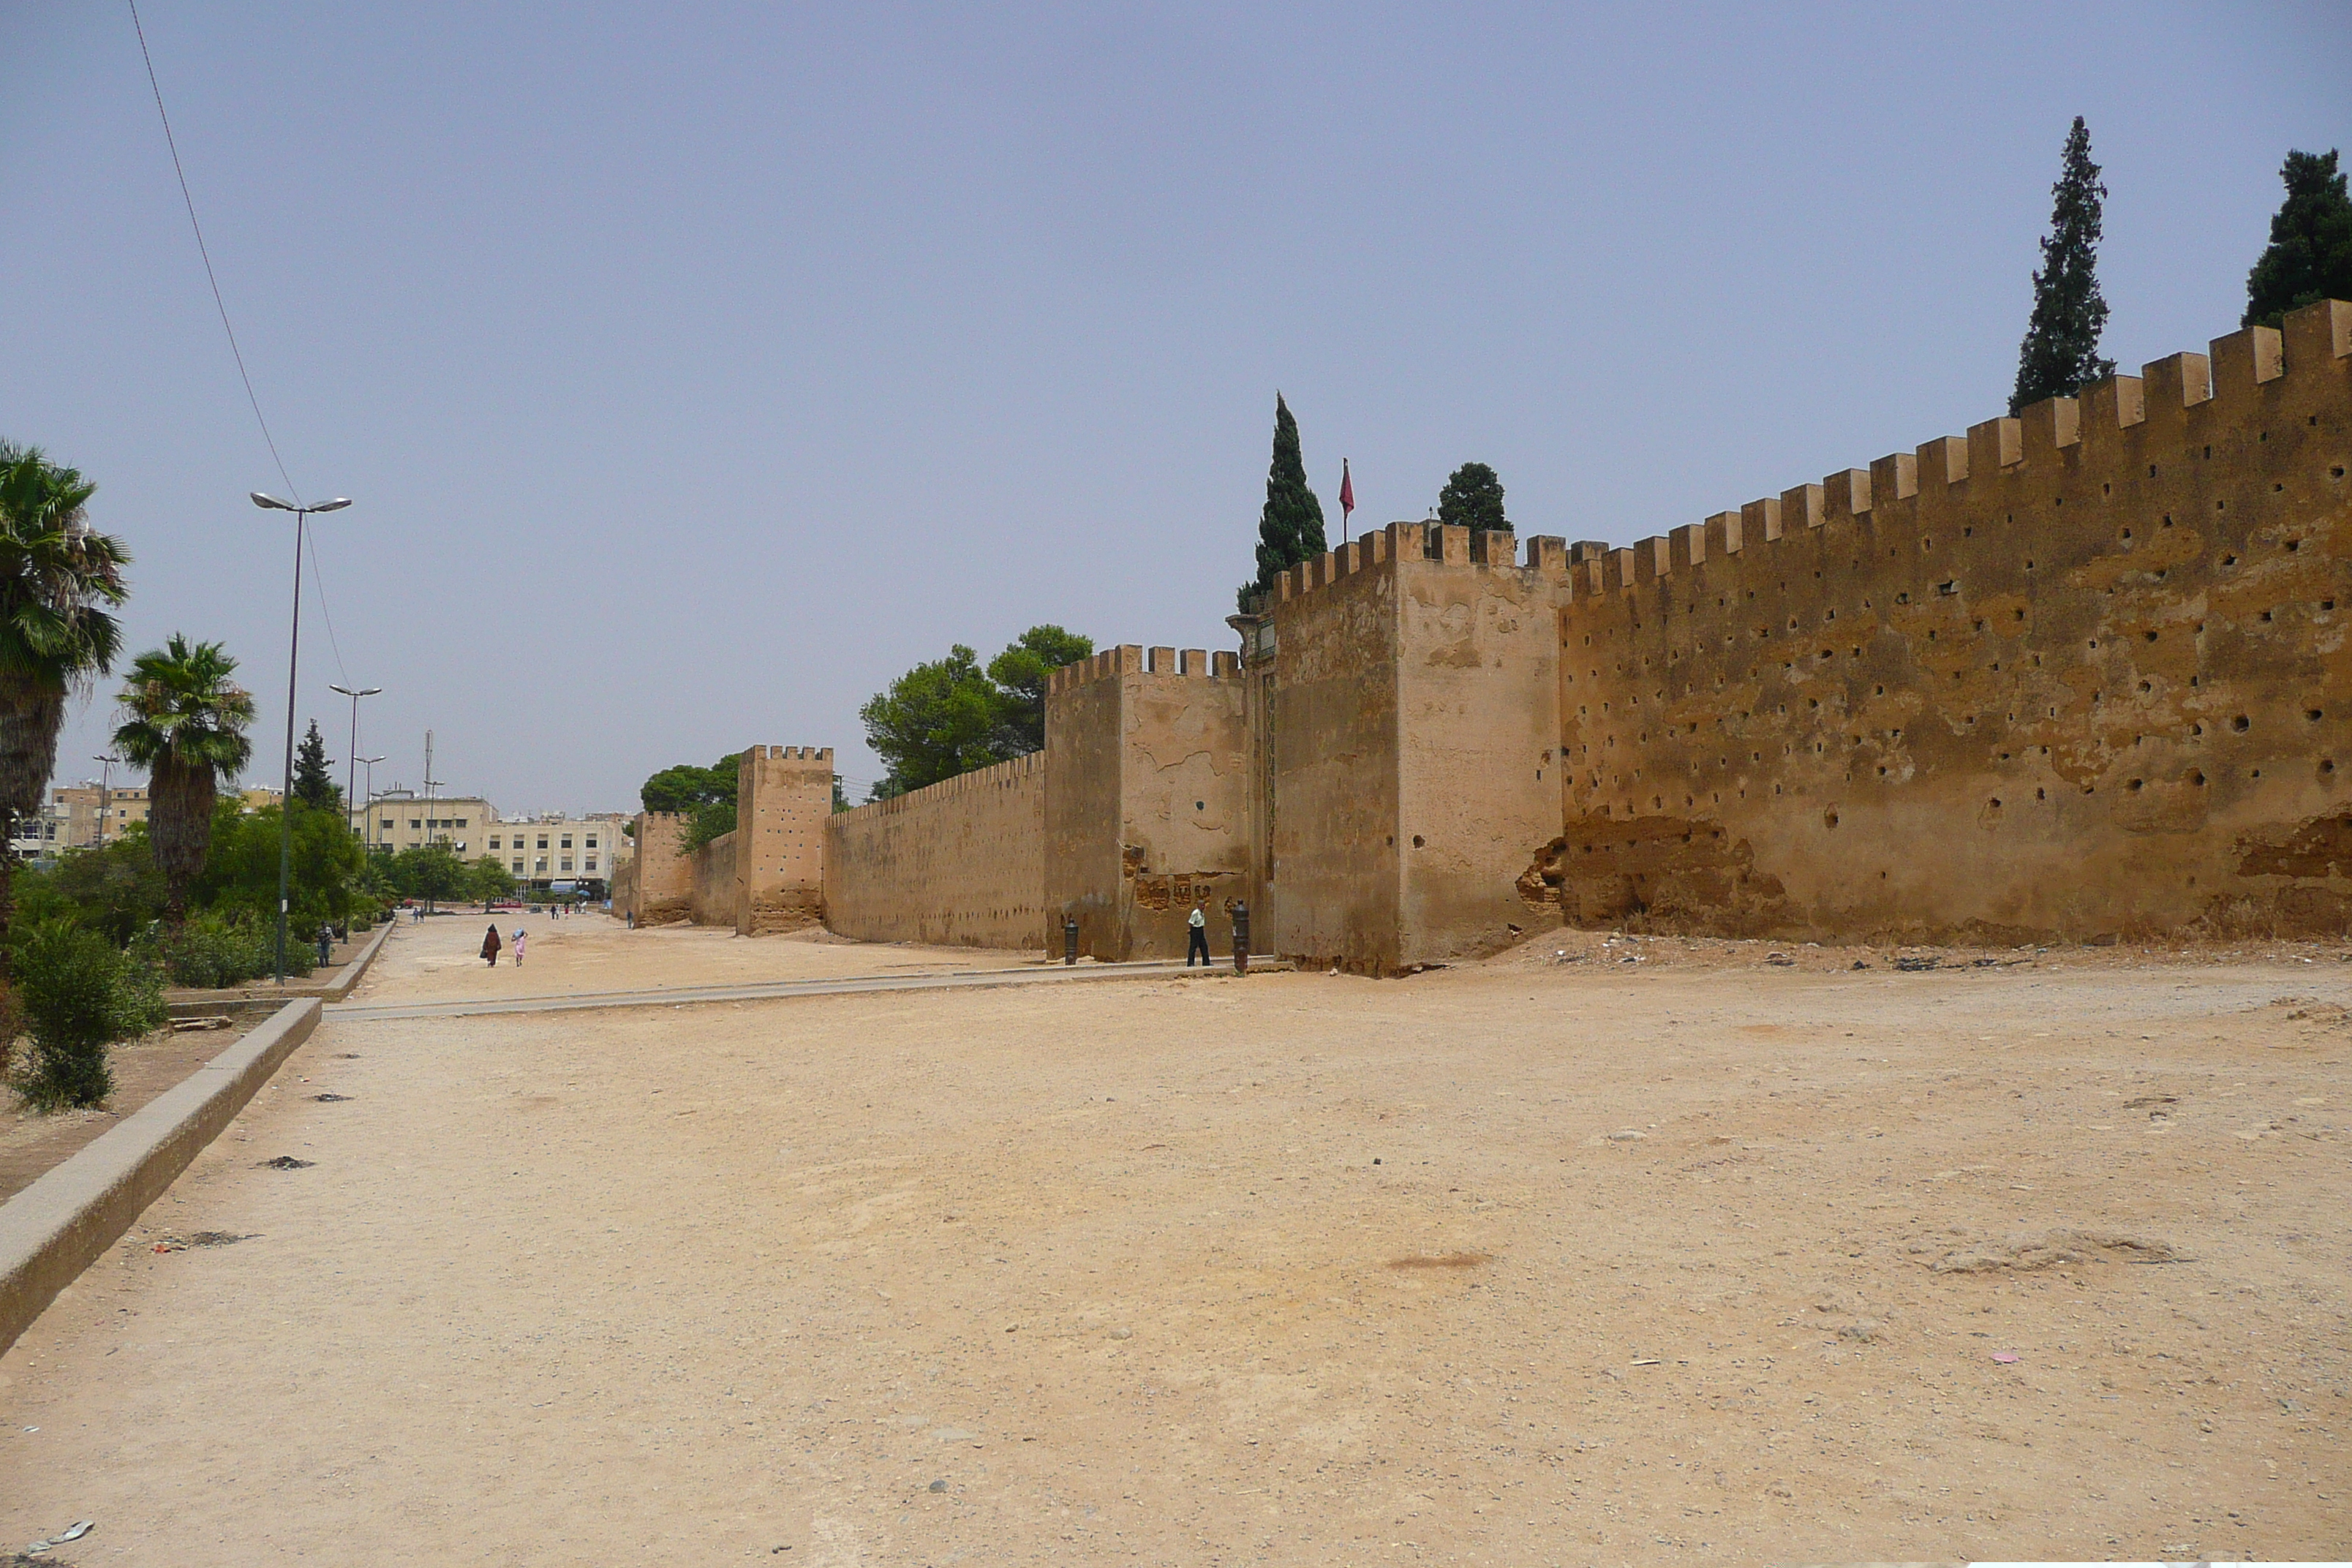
(1347, 491)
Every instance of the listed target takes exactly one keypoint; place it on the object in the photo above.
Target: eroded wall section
(2076, 673)
(1414, 730)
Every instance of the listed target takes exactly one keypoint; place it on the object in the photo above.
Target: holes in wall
(2229, 560)
(1947, 589)
(2292, 545)
(2145, 687)
(2266, 614)
(2327, 766)
(1830, 817)
(2167, 519)
(2127, 534)
(2241, 723)
(2151, 470)
(2209, 454)
(2197, 777)
(2106, 489)
(2040, 793)
(2313, 714)
(1418, 841)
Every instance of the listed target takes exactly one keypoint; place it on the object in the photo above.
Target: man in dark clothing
(1199, 945)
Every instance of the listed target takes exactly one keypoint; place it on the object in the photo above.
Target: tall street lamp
(369, 764)
(294, 652)
(350, 767)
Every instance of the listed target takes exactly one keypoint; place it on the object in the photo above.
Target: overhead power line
(203, 251)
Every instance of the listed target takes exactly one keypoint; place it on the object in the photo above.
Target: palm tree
(184, 721)
(58, 580)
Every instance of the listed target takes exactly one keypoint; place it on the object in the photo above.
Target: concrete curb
(347, 978)
(63, 1223)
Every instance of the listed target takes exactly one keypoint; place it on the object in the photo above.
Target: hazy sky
(696, 369)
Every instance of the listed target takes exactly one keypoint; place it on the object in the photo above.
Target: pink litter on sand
(2004, 1357)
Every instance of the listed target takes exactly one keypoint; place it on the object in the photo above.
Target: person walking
(1198, 947)
(490, 945)
(518, 947)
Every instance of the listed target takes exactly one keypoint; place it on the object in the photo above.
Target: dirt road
(1701, 1257)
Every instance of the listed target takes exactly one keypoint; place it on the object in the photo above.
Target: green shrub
(80, 995)
(211, 951)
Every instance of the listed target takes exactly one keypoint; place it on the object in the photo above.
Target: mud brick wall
(1146, 779)
(656, 883)
(1414, 730)
(960, 863)
(2077, 673)
(783, 795)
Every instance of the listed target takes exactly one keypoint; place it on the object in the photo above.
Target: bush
(80, 995)
(212, 950)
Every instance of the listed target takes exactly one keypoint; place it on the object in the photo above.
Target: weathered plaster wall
(656, 884)
(714, 895)
(958, 864)
(1478, 722)
(2081, 672)
(1331, 878)
(1413, 729)
(1081, 851)
(1146, 798)
(783, 795)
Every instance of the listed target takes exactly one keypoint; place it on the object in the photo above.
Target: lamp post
(105, 777)
(369, 764)
(350, 767)
(294, 653)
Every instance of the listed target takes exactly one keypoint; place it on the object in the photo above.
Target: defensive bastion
(2075, 675)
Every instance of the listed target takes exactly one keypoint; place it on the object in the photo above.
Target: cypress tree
(2061, 352)
(2310, 254)
(1290, 528)
(314, 784)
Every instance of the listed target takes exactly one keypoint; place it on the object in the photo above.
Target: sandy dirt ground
(1702, 1257)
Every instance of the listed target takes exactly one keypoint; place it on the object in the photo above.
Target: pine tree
(2061, 352)
(1290, 529)
(2310, 254)
(313, 785)
(1473, 498)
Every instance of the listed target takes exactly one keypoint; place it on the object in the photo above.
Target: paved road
(677, 997)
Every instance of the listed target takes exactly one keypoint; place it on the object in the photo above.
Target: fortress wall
(784, 796)
(1415, 717)
(2079, 672)
(713, 895)
(1146, 798)
(960, 863)
(656, 883)
(1478, 717)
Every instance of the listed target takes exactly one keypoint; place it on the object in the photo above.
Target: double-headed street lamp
(369, 764)
(286, 801)
(352, 768)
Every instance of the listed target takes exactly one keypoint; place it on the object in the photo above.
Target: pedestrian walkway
(678, 996)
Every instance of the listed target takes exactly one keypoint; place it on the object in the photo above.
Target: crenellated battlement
(1012, 774)
(1132, 658)
(1449, 545)
(822, 755)
(2107, 437)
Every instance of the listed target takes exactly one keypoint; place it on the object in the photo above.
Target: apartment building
(399, 820)
(550, 849)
